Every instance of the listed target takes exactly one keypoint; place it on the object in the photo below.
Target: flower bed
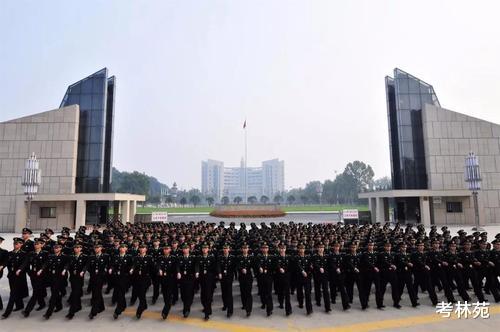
(248, 214)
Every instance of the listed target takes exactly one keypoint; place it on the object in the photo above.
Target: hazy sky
(307, 75)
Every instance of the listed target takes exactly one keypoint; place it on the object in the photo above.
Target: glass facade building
(95, 96)
(406, 96)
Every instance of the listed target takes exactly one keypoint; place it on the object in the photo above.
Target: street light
(31, 182)
(473, 178)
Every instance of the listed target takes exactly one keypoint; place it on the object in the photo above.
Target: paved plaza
(372, 319)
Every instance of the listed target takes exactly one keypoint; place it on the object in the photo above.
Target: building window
(454, 207)
(47, 212)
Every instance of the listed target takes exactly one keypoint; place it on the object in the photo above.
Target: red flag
(245, 124)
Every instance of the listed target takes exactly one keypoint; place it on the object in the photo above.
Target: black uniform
(56, 269)
(486, 271)
(226, 268)
(37, 261)
(388, 275)
(405, 276)
(76, 269)
(264, 268)
(438, 273)
(421, 269)
(16, 261)
(352, 270)
(3, 261)
(321, 280)
(454, 273)
(370, 275)
(208, 269)
(283, 270)
(337, 279)
(244, 267)
(97, 265)
(166, 267)
(187, 266)
(142, 267)
(469, 260)
(155, 252)
(120, 270)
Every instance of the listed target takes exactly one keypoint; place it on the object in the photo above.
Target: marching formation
(310, 262)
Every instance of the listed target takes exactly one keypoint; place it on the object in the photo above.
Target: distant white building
(219, 181)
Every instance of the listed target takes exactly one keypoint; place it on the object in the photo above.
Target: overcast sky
(307, 75)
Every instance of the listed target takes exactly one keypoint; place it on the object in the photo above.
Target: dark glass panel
(414, 86)
(415, 102)
(85, 102)
(87, 86)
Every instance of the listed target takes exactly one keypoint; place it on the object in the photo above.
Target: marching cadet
(321, 278)
(370, 274)
(187, 272)
(97, 265)
(454, 270)
(36, 262)
(469, 263)
(155, 251)
(244, 267)
(337, 276)
(304, 272)
(283, 274)
(166, 266)
(264, 267)
(16, 266)
(176, 252)
(3, 261)
(119, 269)
(422, 272)
(405, 274)
(142, 266)
(56, 270)
(28, 244)
(495, 258)
(76, 268)
(133, 251)
(49, 242)
(486, 269)
(352, 270)
(225, 270)
(438, 273)
(208, 269)
(388, 274)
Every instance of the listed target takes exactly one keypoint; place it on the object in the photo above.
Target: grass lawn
(286, 208)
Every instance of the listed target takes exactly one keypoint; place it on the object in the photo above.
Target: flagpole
(246, 168)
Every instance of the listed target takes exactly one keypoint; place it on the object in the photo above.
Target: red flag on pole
(245, 124)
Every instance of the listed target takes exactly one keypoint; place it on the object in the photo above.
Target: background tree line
(343, 189)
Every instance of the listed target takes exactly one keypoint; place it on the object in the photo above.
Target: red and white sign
(350, 214)
(159, 217)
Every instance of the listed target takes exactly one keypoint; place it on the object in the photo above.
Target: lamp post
(473, 178)
(31, 182)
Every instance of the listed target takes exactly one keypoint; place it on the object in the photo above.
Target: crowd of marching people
(313, 263)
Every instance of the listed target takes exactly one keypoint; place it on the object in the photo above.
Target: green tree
(290, 199)
(304, 199)
(361, 173)
(252, 199)
(384, 183)
(264, 199)
(195, 200)
(278, 199)
(237, 200)
(183, 201)
(225, 200)
(210, 201)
